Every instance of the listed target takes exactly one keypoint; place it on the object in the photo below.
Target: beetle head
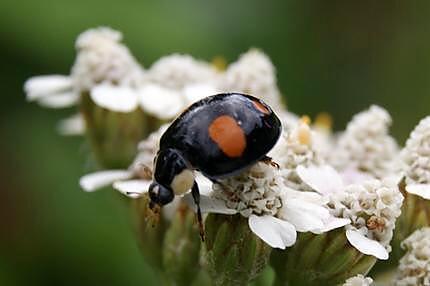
(159, 194)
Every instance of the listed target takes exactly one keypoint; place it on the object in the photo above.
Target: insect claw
(268, 160)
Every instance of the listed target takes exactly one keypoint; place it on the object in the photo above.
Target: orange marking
(260, 107)
(228, 135)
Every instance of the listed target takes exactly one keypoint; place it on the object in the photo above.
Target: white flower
(176, 71)
(366, 146)
(253, 74)
(102, 58)
(322, 136)
(134, 181)
(414, 266)
(295, 148)
(54, 91)
(358, 280)
(275, 212)
(107, 71)
(416, 159)
(372, 207)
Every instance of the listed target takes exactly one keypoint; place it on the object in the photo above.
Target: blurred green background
(335, 56)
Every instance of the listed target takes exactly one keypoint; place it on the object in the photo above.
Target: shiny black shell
(189, 133)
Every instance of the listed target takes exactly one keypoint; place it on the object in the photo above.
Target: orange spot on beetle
(228, 135)
(260, 107)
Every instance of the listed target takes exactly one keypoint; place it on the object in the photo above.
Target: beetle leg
(268, 160)
(196, 196)
(154, 215)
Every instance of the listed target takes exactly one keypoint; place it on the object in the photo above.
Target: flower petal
(422, 190)
(366, 245)
(205, 185)
(354, 176)
(332, 223)
(310, 197)
(40, 86)
(209, 204)
(323, 179)
(72, 126)
(303, 215)
(115, 98)
(97, 180)
(275, 232)
(132, 188)
(161, 102)
(195, 92)
(59, 100)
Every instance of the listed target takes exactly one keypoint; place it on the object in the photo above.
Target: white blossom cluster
(365, 146)
(253, 74)
(102, 58)
(295, 148)
(416, 159)
(256, 191)
(176, 71)
(358, 280)
(373, 208)
(414, 266)
(147, 150)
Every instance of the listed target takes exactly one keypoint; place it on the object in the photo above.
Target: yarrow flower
(136, 179)
(296, 147)
(416, 159)
(102, 62)
(414, 266)
(275, 212)
(358, 280)
(254, 74)
(365, 147)
(336, 201)
(372, 207)
(106, 70)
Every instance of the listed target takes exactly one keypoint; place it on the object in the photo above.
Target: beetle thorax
(173, 171)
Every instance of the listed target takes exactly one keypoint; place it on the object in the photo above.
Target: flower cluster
(373, 208)
(275, 212)
(366, 147)
(358, 280)
(416, 158)
(106, 70)
(324, 209)
(414, 267)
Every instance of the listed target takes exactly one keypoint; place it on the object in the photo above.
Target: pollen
(219, 63)
(375, 222)
(304, 132)
(324, 120)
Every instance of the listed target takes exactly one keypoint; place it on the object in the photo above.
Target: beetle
(219, 136)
